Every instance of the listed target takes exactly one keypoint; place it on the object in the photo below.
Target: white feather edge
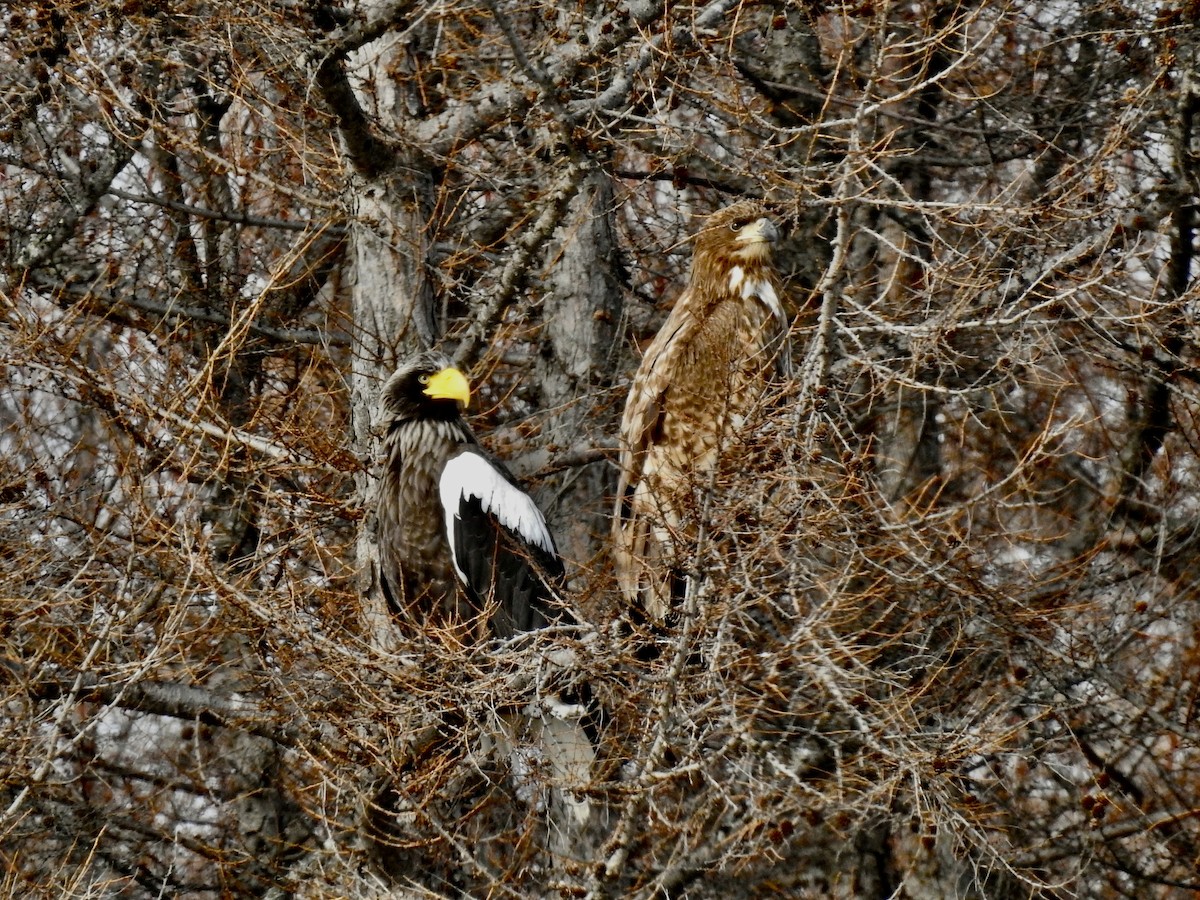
(471, 475)
(755, 287)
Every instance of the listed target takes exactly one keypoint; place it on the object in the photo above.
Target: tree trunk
(575, 370)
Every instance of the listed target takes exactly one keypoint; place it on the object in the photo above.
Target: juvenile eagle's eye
(424, 379)
(736, 226)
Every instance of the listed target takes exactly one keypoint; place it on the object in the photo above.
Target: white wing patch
(763, 290)
(756, 287)
(471, 475)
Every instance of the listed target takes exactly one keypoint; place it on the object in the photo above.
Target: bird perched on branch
(460, 543)
(723, 341)
(464, 552)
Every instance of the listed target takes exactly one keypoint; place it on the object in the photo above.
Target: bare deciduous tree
(946, 645)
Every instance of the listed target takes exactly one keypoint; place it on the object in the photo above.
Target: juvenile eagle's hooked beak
(449, 384)
(756, 240)
(759, 231)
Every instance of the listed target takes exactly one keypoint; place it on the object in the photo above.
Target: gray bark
(574, 370)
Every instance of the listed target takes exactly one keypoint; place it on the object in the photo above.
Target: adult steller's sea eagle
(723, 341)
(460, 543)
(465, 552)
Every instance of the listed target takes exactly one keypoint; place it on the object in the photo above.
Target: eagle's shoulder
(473, 478)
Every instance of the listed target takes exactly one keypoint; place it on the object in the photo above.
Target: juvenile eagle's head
(733, 255)
(740, 234)
(426, 387)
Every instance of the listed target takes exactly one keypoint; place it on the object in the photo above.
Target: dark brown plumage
(460, 544)
(724, 339)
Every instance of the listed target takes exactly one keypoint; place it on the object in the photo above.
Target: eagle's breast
(418, 556)
(714, 382)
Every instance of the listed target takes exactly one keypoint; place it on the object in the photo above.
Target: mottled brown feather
(722, 342)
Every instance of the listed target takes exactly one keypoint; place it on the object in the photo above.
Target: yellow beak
(449, 384)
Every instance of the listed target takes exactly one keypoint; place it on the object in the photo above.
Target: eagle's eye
(424, 379)
(737, 226)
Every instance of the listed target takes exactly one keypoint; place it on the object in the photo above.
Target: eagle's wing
(641, 424)
(504, 554)
(637, 548)
(500, 545)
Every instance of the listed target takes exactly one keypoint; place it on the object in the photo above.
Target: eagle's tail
(645, 566)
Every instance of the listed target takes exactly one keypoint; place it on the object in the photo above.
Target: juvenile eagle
(723, 341)
(465, 551)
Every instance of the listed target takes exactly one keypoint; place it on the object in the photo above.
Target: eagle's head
(426, 386)
(733, 255)
(739, 235)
